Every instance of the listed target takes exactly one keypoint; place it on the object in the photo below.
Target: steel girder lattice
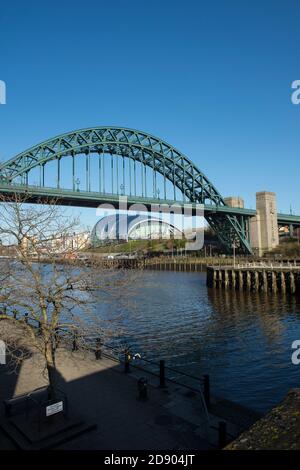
(140, 147)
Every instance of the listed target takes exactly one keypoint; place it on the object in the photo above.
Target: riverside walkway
(101, 393)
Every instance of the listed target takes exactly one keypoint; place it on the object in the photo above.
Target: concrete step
(19, 438)
(50, 427)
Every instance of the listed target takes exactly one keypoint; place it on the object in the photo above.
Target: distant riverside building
(74, 241)
(8, 250)
(122, 228)
(66, 242)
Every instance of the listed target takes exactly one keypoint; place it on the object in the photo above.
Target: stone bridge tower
(264, 227)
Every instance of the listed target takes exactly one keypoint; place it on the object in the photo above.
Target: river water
(243, 340)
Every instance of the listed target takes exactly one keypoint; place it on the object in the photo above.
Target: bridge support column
(264, 227)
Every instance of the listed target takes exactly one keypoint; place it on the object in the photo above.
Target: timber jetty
(256, 277)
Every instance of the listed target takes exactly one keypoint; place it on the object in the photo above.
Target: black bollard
(142, 389)
(75, 346)
(206, 387)
(26, 317)
(162, 377)
(98, 352)
(15, 314)
(222, 431)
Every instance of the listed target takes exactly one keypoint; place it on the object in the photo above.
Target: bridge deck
(94, 199)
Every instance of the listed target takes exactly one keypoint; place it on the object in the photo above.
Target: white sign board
(55, 408)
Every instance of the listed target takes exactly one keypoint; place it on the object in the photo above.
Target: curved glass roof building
(124, 227)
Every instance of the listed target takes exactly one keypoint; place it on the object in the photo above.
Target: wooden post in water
(226, 281)
(256, 281)
(241, 280)
(292, 283)
(282, 282)
(214, 278)
(248, 277)
(274, 281)
(219, 278)
(233, 279)
(264, 281)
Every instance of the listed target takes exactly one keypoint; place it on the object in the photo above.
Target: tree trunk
(51, 369)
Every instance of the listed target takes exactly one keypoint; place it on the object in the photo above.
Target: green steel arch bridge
(96, 165)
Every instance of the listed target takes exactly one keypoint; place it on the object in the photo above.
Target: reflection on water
(243, 340)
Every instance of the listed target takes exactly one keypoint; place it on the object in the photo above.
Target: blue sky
(213, 78)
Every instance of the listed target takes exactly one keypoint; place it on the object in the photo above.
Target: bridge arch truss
(136, 148)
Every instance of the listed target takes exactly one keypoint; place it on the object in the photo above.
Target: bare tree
(42, 290)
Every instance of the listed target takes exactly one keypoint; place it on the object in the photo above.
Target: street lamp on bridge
(77, 182)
